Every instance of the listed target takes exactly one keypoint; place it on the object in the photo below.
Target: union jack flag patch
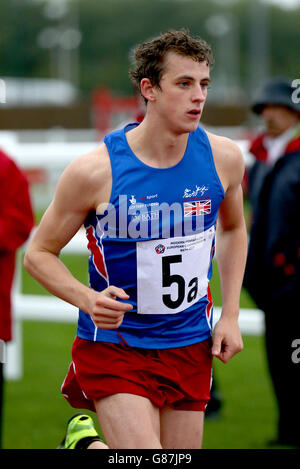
(198, 207)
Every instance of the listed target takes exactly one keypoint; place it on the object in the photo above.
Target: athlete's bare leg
(97, 445)
(181, 429)
(129, 421)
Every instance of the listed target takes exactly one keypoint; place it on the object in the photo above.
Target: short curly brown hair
(149, 56)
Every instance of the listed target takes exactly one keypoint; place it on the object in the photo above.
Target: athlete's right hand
(107, 312)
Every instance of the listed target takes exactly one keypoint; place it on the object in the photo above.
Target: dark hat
(277, 90)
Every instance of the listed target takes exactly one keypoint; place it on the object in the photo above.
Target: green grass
(35, 413)
(248, 416)
(77, 264)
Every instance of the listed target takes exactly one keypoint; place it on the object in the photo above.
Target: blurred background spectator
(16, 223)
(272, 273)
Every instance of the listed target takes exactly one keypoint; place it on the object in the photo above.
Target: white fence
(53, 158)
(37, 308)
(47, 158)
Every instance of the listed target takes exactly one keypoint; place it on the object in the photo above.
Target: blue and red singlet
(156, 240)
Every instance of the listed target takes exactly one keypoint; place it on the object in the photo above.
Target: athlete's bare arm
(231, 245)
(84, 185)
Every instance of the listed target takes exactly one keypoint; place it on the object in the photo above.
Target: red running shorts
(176, 377)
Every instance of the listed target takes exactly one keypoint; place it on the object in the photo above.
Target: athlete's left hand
(227, 339)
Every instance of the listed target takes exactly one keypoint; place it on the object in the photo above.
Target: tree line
(248, 38)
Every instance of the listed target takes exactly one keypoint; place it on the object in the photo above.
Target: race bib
(172, 274)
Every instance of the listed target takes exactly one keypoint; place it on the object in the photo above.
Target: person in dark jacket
(16, 223)
(272, 271)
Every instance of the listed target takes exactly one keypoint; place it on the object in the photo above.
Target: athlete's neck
(156, 147)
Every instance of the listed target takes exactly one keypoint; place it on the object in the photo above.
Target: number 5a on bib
(173, 274)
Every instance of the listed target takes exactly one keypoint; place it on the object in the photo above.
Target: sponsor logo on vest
(199, 191)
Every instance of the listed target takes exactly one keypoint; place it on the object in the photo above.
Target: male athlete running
(150, 198)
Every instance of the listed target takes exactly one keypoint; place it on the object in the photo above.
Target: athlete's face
(182, 93)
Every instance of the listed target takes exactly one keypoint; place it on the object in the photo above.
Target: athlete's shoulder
(86, 180)
(226, 149)
(228, 158)
(90, 167)
(224, 144)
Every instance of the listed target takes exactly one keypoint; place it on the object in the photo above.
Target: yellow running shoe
(80, 433)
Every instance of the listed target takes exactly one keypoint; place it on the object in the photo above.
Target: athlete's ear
(147, 89)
